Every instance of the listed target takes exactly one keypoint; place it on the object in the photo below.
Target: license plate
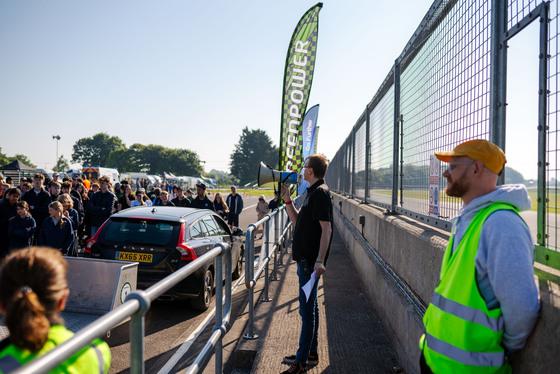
(137, 257)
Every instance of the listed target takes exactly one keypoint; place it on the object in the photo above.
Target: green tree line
(102, 149)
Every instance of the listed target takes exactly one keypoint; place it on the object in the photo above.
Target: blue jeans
(309, 312)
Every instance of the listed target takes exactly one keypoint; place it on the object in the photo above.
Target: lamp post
(57, 137)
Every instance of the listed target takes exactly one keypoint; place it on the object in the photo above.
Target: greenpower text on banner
(298, 77)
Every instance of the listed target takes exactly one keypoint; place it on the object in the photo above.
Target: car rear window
(140, 232)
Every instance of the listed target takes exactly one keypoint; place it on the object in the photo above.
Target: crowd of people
(64, 213)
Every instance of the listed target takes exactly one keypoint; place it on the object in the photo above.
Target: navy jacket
(100, 207)
(54, 236)
(20, 236)
(237, 201)
(74, 218)
(38, 204)
(7, 211)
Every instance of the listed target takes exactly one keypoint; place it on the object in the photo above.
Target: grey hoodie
(504, 261)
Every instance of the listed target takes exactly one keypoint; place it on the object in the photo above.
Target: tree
(224, 179)
(253, 147)
(61, 165)
(125, 159)
(4, 160)
(95, 151)
(184, 162)
(512, 176)
(23, 159)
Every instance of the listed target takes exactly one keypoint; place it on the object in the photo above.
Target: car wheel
(202, 301)
(238, 267)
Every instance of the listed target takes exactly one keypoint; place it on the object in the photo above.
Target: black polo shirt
(316, 207)
(202, 204)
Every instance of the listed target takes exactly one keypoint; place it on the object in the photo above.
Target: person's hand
(66, 214)
(320, 269)
(286, 193)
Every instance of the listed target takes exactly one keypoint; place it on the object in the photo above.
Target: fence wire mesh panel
(442, 92)
(553, 130)
(359, 177)
(348, 167)
(444, 99)
(381, 123)
(518, 9)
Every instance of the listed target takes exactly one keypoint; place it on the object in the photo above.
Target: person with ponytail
(33, 292)
(56, 230)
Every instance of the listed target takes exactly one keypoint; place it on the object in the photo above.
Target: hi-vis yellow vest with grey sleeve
(462, 335)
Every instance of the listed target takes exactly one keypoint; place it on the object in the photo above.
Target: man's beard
(457, 188)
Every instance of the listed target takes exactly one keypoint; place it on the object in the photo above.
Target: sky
(184, 74)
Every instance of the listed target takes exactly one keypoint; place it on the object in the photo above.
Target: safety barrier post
(249, 271)
(219, 310)
(137, 332)
(283, 239)
(276, 246)
(266, 252)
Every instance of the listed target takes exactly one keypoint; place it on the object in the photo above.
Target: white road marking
(249, 207)
(183, 349)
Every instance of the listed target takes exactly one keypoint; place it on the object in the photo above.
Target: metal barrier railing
(135, 307)
(276, 223)
(138, 303)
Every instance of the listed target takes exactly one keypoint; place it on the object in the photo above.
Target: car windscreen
(149, 232)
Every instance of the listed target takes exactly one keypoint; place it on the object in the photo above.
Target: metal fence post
(396, 114)
(353, 175)
(368, 152)
(498, 79)
(542, 199)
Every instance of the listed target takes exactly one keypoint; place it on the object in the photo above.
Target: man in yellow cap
(486, 303)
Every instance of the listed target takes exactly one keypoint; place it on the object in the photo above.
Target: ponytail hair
(32, 283)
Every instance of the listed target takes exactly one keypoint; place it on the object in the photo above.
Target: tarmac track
(169, 323)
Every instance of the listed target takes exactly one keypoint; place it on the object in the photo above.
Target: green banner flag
(298, 76)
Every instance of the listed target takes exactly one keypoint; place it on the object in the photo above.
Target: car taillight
(187, 253)
(90, 243)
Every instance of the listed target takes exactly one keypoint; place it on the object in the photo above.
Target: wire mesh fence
(447, 87)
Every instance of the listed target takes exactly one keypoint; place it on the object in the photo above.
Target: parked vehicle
(95, 172)
(163, 239)
(134, 178)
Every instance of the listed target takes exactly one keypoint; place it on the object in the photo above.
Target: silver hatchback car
(162, 239)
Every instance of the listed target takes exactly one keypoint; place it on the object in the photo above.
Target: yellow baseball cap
(490, 154)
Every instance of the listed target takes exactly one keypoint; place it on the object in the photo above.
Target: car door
(200, 240)
(216, 232)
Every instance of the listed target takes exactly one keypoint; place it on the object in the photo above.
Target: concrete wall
(414, 252)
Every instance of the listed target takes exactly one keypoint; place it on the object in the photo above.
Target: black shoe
(313, 358)
(296, 368)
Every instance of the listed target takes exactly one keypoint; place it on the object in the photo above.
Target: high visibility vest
(95, 358)
(462, 335)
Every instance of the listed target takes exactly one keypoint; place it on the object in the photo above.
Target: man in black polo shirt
(201, 201)
(310, 248)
